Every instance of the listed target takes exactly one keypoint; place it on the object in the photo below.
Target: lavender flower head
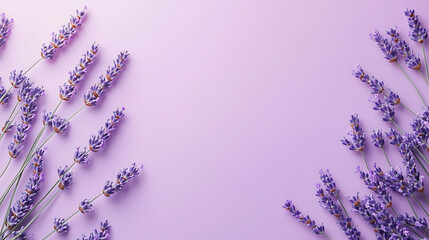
(4, 28)
(16, 79)
(377, 138)
(59, 125)
(392, 99)
(76, 75)
(64, 34)
(360, 74)
(97, 90)
(386, 46)
(85, 206)
(96, 142)
(393, 33)
(32, 188)
(318, 230)
(417, 33)
(122, 178)
(22, 234)
(60, 225)
(66, 178)
(394, 137)
(357, 142)
(5, 95)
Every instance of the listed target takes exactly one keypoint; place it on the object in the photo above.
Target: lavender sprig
(97, 90)
(417, 33)
(76, 75)
(357, 142)
(4, 28)
(386, 46)
(64, 34)
(318, 230)
(122, 178)
(101, 234)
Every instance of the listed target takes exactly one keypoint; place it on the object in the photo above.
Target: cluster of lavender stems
(15, 224)
(377, 208)
(80, 157)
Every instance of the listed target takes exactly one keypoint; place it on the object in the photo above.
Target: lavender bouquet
(406, 181)
(22, 210)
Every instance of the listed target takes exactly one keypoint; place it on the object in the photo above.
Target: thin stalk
(326, 236)
(6, 93)
(426, 62)
(7, 165)
(387, 159)
(341, 203)
(424, 78)
(423, 156)
(411, 207)
(10, 204)
(421, 164)
(427, 200)
(421, 206)
(34, 218)
(411, 81)
(364, 159)
(397, 126)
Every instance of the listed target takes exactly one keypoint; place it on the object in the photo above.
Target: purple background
(232, 106)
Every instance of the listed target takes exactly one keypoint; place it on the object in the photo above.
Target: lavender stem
(421, 206)
(426, 62)
(421, 164)
(412, 83)
(397, 126)
(412, 208)
(386, 156)
(364, 159)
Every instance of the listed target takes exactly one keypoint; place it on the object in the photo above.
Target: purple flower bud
(394, 137)
(4, 28)
(393, 33)
(14, 149)
(66, 178)
(17, 78)
(59, 124)
(393, 98)
(37, 161)
(60, 225)
(47, 118)
(376, 86)
(81, 157)
(377, 138)
(85, 206)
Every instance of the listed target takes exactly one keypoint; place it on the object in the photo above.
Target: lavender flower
(85, 206)
(377, 138)
(357, 142)
(393, 33)
(60, 225)
(97, 90)
(392, 99)
(4, 28)
(7, 127)
(96, 142)
(376, 86)
(318, 230)
(24, 204)
(64, 34)
(417, 33)
(411, 60)
(59, 124)
(360, 74)
(81, 157)
(122, 178)
(16, 79)
(376, 182)
(48, 117)
(386, 47)
(4, 95)
(419, 223)
(66, 178)
(76, 75)
(394, 137)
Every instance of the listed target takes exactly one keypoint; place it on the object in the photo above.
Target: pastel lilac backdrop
(233, 107)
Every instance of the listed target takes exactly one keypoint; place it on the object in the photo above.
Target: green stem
(426, 62)
(10, 204)
(397, 126)
(8, 121)
(421, 206)
(31, 67)
(341, 203)
(8, 163)
(423, 156)
(427, 200)
(424, 78)
(411, 207)
(421, 164)
(387, 159)
(47, 236)
(34, 218)
(7, 92)
(326, 236)
(364, 159)
(421, 98)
